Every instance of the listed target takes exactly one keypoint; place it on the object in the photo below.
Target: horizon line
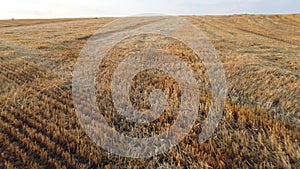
(119, 16)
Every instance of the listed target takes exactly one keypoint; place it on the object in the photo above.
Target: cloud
(91, 8)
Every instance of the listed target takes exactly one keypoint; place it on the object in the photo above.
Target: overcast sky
(97, 8)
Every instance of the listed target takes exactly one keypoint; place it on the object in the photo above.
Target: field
(260, 127)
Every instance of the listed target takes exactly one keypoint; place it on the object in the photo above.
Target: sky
(20, 9)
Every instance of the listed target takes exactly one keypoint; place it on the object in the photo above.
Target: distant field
(261, 123)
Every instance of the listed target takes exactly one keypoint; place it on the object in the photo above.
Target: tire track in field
(262, 34)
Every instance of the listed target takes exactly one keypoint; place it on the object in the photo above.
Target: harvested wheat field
(260, 127)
